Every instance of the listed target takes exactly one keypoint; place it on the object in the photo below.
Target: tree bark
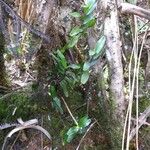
(3, 80)
(47, 20)
(114, 115)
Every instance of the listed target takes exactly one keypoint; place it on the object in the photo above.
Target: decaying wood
(134, 10)
(26, 24)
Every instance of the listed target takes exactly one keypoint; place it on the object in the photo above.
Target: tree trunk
(3, 81)
(48, 16)
(112, 109)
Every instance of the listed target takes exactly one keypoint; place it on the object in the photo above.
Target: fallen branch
(126, 8)
(142, 119)
(144, 123)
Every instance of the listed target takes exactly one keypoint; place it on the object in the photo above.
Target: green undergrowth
(21, 104)
(17, 105)
(144, 102)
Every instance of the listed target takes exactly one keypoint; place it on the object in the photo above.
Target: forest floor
(22, 75)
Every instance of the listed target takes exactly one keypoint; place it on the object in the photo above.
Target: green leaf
(91, 23)
(86, 66)
(74, 66)
(72, 132)
(52, 91)
(75, 14)
(89, 1)
(60, 54)
(132, 1)
(84, 122)
(63, 59)
(64, 87)
(91, 52)
(57, 105)
(90, 9)
(71, 77)
(64, 136)
(73, 41)
(100, 45)
(57, 59)
(76, 30)
(87, 19)
(93, 62)
(89, 6)
(85, 77)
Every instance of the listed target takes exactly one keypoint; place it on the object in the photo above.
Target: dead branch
(142, 119)
(127, 8)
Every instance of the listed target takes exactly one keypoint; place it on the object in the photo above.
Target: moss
(17, 106)
(20, 104)
(3, 77)
(144, 102)
(111, 126)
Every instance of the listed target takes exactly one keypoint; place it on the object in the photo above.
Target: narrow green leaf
(93, 62)
(76, 30)
(64, 136)
(71, 77)
(72, 132)
(52, 91)
(87, 19)
(63, 59)
(57, 59)
(91, 23)
(84, 122)
(132, 1)
(86, 66)
(89, 1)
(73, 41)
(100, 44)
(75, 14)
(64, 87)
(85, 77)
(57, 105)
(60, 54)
(74, 66)
(89, 6)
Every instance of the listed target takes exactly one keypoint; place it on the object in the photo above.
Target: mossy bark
(3, 79)
(111, 126)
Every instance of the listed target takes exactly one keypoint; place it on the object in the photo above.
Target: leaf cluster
(75, 130)
(77, 73)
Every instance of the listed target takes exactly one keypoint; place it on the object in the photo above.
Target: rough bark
(47, 20)
(113, 53)
(115, 106)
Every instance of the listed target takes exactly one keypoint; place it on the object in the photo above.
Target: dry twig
(134, 10)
